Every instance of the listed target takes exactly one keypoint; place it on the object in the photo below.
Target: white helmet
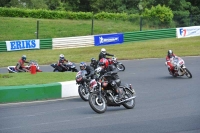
(62, 56)
(103, 50)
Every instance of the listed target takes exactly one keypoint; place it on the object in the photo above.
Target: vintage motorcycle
(70, 67)
(103, 95)
(117, 64)
(11, 69)
(83, 85)
(179, 67)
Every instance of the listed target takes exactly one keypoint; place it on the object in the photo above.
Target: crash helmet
(170, 53)
(103, 50)
(24, 57)
(93, 60)
(103, 62)
(83, 65)
(62, 57)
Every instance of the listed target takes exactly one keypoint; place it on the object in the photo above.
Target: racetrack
(163, 105)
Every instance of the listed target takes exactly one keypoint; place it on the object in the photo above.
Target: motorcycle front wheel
(97, 104)
(120, 67)
(83, 94)
(188, 73)
(131, 103)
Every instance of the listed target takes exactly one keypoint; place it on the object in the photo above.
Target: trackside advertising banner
(188, 31)
(22, 45)
(108, 39)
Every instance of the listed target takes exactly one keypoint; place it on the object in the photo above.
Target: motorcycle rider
(113, 79)
(103, 54)
(93, 63)
(20, 64)
(169, 58)
(88, 69)
(60, 65)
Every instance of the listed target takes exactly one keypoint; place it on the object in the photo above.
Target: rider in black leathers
(113, 79)
(89, 69)
(103, 54)
(93, 63)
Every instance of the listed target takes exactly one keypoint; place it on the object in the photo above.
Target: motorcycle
(11, 69)
(70, 66)
(103, 95)
(180, 68)
(83, 86)
(117, 64)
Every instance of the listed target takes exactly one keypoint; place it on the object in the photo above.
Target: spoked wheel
(97, 104)
(188, 73)
(131, 103)
(120, 67)
(83, 93)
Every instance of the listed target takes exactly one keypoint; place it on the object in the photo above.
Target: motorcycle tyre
(126, 105)
(187, 71)
(93, 106)
(74, 70)
(81, 95)
(55, 70)
(117, 66)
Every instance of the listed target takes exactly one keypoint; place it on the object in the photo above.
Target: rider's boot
(170, 72)
(176, 73)
(120, 94)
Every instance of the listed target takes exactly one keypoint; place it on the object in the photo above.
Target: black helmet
(170, 53)
(93, 60)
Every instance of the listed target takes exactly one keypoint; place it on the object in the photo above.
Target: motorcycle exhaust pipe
(122, 100)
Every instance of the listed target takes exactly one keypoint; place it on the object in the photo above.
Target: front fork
(99, 96)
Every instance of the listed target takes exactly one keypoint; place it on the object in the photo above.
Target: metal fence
(29, 28)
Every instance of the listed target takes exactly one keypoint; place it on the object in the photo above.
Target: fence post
(37, 32)
(190, 20)
(140, 23)
(92, 29)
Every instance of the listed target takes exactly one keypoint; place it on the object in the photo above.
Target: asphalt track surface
(164, 104)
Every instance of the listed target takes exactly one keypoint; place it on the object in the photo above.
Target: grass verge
(126, 51)
(18, 79)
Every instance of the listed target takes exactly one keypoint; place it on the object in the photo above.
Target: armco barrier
(9, 94)
(46, 43)
(149, 34)
(73, 42)
(3, 46)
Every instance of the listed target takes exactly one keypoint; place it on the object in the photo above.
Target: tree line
(179, 7)
(181, 11)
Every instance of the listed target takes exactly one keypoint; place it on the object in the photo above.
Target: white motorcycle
(179, 67)
(11, 69)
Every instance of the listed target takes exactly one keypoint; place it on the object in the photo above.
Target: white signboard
(22, 45)
(188, 31)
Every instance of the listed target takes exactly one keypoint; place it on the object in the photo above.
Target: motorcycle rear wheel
(82, 94)
(98, 105)
(131, 103)
(120, 67)
(188, 73)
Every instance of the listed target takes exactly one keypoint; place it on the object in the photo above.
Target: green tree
(159, 13)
